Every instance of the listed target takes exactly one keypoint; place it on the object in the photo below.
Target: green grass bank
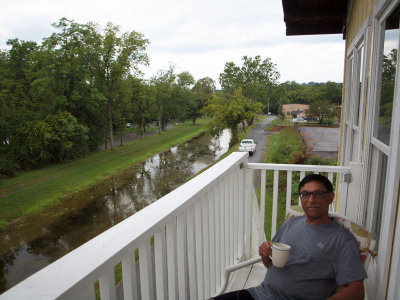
(284, 147)
(30, 191)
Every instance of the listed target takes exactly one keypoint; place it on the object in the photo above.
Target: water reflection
(34, 242)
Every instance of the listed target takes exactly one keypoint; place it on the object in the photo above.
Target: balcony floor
(247, 277)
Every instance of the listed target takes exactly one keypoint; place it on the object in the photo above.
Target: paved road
(321, 141)
(259, 135)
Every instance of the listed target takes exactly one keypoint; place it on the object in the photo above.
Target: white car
(248, 145)
(299, 120)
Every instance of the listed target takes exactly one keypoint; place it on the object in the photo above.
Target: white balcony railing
(183, 241)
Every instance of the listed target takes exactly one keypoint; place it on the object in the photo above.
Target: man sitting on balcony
(324, 261)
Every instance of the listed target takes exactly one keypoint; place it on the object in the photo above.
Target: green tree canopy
(202, 91)
(322, 110)
(229, 110)
(58, 99)
(257, 77)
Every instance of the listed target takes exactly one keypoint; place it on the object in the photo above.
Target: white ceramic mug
(280, 254)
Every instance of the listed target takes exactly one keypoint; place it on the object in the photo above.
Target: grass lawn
(30, 191)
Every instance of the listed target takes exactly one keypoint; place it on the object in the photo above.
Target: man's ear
(331, 197)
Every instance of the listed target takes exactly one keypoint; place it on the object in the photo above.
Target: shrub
(57, 138)
(317, 160)
(8, 168)
(286, 147)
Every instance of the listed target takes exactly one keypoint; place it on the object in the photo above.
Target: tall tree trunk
(122, 128)
(110, 124)
(141, 126)
(244, 124)
(159, 121)
(165, 124)
(105, 138)
(163, 118)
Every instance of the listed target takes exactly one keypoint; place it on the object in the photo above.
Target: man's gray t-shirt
(322, 258)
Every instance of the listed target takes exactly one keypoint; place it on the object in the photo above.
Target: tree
(332, 91)
(202, 90)
(256, 77)
(66, 76)
(228, 111)
(55, 139)
(322, 110)
(117, 56)
(388, 82)
(163, 83)
(75, 78)
(143, 102)
(183, 97)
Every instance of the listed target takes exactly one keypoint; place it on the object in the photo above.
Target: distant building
(295, 110)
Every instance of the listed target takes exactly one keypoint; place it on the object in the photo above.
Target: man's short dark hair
(319, 178)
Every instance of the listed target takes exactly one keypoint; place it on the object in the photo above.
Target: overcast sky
(196, 36)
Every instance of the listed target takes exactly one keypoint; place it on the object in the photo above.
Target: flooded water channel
(32, 243)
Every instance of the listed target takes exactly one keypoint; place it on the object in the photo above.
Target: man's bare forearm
(353, 290)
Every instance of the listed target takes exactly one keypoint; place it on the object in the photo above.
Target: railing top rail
(84, 263)
(289, 167)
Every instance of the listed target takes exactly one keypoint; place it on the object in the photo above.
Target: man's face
(316, 207)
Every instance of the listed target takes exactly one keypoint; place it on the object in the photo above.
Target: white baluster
(262, 205)
(211, 218)
(171, 259)
(199, 248)
(218, 228)
(107, 284)
(181, 255)
(248, 210)
(206, 246)
(191, 253)
(146, 278)
(275, 203)
(232, 221)
(129, 277)
(235, 214)
(288, 190)
(160, 264)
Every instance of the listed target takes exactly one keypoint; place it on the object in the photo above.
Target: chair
(362, 236)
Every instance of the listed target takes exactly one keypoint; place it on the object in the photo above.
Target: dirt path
(127, 137)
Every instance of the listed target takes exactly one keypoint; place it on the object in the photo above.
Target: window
(355, 97)
(382, 147)
(388, 63)
(382, 122)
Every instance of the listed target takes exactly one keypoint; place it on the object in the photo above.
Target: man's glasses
(317, 194)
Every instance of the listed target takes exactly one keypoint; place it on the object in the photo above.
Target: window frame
(387, 261)
(355, 65)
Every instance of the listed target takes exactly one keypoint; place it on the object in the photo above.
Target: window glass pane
(358, 99)
(388, 76)
(348, 88)
(381, 194)
(376, 193)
